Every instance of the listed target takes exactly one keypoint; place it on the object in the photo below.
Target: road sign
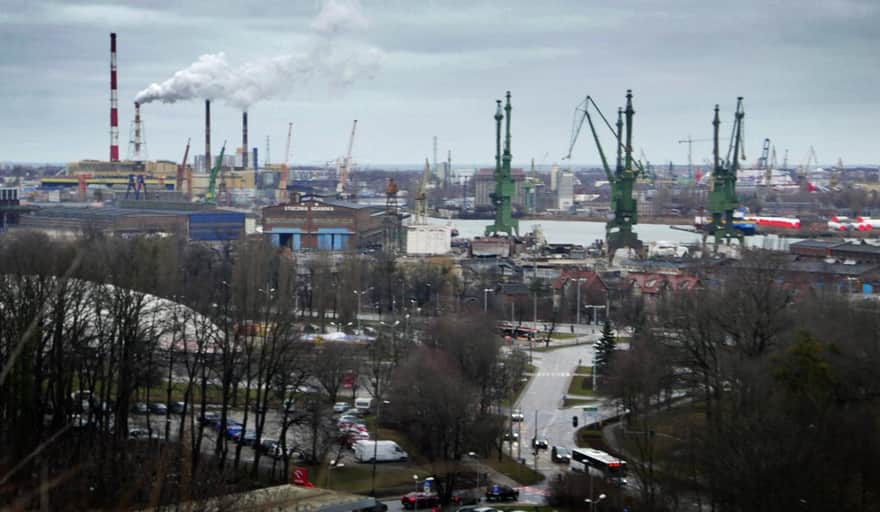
(300, 476)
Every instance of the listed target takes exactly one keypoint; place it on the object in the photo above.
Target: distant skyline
(411, 70)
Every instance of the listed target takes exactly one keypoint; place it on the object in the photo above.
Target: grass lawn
(519, 472)
(357, 478)
(575, 402)
(562, 336)
(669, 424)
(584, 370)
(580, 386)
(587, 438)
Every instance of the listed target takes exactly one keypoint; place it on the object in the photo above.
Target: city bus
(609, 466)
(516, 331)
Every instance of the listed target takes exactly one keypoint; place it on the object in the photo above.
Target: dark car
(176, 407)
(140, 408)
(211, 419)
(498, 492)
(539, 443)
(560, 454)
(511, 436)
(158, 408)
(247, 438)
(416, 500)
(464, 497)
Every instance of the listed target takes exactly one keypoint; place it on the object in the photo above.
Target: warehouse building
(327, 224)
(165, 219)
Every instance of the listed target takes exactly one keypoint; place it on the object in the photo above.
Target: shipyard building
(328, 224)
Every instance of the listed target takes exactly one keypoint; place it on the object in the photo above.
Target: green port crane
(502, 198)
(618, 229)
(211, 195)
(722, 200)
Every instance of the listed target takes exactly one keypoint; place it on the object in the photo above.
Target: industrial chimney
(244, 144)
(208, 163)
(138, 140)
(114, 112)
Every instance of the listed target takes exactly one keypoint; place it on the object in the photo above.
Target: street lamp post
(357, 314)
(486, 292)
(594, 501)
(579, 281)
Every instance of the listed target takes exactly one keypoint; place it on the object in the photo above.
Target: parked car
(233, 432)
(176, 407)
(517, 415)
(416, 500)
(560, 454)
(477, 509)
(158, 408)
(497, 492)
(539, 443)
(272, 448)
(142, 433)
(212, 419)
(511, 436)
(339, 407)
(465, 497)
(140, 408)
(247, 438)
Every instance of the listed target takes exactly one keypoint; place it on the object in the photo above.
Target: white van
(365, 405)
(385, 451)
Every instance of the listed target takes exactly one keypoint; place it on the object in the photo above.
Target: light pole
(340, 326)
(357, 315)
(579, 281)
(594, 501)
(416, 482)
(486, 292)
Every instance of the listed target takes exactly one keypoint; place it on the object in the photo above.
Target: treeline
(89, 327)
(776, 394)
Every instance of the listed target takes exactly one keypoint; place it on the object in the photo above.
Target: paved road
(544, 396)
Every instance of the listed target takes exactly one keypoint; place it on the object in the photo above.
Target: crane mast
(502, 198)
(618, 229)
(282, 178)
(722, 197)
(211, 195)
(345, 169)
(181, 173)
(422, 196)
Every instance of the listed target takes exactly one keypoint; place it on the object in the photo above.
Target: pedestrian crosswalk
(554, 374)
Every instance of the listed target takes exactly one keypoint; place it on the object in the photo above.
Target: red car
(415, 500)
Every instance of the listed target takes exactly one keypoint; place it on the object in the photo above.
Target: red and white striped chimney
(138, 136)
(114, 112)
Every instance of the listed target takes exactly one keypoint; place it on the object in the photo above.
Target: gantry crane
(182, 174)
(211, 195)
(618, 229)
(690, 142)
(282, 177)
(421, 205)
(344, 169)
(502, 198)
(722, 200)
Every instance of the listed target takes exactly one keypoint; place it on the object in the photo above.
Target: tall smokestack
(114, 112)
(244, 144)
(208, 163)
(138, 136)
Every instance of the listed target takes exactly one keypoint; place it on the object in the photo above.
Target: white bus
(609, 466)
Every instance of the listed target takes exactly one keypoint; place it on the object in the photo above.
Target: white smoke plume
(330, 57)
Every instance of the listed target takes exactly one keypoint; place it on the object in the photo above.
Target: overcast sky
(808, 70)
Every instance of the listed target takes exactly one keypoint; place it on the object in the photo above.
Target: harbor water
(586, 232)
